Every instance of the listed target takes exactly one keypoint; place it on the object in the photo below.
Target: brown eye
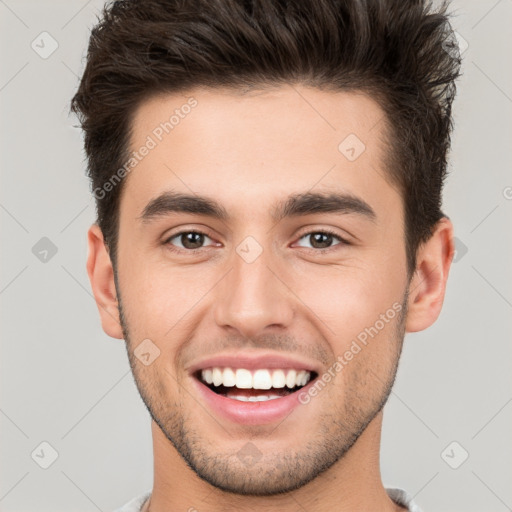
(322, 239)
(188, 240)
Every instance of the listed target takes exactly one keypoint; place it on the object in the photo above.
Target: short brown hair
(402, 53)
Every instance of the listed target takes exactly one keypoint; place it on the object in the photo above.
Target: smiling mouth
(254, 386)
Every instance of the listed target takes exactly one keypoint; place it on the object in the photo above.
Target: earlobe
(101, 276)
(428, 284)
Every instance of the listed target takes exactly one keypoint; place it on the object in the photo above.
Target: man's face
(257, 284)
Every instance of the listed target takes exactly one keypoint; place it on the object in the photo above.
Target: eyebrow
(296, 205)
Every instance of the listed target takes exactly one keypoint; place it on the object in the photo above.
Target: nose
(252, 298)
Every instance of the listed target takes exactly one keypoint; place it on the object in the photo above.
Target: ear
(428, 284)
(101, 276)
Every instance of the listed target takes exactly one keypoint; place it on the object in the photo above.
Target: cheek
(346, 300)
(159, 299)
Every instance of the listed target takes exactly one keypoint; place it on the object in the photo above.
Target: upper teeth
(259, 379)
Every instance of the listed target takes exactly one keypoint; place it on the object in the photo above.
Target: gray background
(64, 382)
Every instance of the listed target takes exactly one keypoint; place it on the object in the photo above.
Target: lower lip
(251, 413)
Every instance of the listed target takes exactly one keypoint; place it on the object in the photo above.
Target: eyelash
(314, 232)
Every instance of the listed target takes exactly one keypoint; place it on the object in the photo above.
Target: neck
(353, 483)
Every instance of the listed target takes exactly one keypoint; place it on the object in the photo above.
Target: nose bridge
(252, 297)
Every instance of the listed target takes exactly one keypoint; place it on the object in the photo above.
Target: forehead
(257, 145)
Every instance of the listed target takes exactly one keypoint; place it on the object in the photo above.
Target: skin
(248, 151)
